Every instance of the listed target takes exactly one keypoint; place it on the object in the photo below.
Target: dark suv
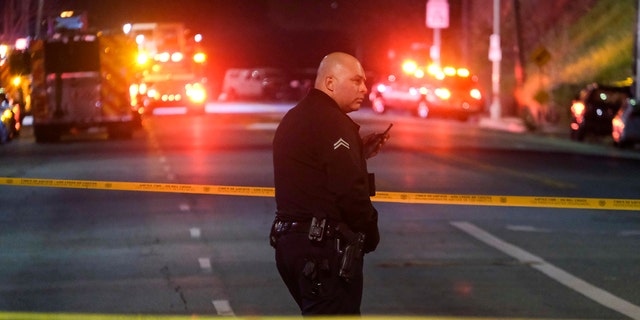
(594, 108)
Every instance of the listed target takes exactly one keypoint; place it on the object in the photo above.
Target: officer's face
(350, 88)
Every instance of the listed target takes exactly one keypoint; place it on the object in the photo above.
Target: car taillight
(577, 108)
(618, 125)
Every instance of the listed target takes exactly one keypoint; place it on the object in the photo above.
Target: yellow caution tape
(509, 201)
(381, 196)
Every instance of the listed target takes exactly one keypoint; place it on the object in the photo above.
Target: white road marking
(590, 291)
(263, 126)
(526, 228)
(629, 233)
(205, 264)
(195, 233)
(223, 308)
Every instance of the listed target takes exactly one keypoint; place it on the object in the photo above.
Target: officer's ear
(329, 83)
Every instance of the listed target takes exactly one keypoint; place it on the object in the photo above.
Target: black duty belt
(283, 227)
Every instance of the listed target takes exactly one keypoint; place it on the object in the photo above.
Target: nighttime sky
(274, 32)
(289, 33)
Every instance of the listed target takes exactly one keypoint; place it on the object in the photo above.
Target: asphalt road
(128, 252)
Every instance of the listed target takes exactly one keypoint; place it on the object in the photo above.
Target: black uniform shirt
(319, 167)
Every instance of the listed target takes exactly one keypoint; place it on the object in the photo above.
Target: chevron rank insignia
(340, 143)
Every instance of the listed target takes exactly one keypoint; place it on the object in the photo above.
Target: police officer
(323, 192)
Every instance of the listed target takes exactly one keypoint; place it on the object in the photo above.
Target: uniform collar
(316, 94)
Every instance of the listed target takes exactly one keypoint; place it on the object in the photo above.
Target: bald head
(341, 76)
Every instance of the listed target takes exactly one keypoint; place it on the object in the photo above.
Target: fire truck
(170, 67)
(80, 81)
(15, 79)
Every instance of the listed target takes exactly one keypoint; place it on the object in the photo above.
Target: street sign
(437, 14)
(541, 56)
(495, 52)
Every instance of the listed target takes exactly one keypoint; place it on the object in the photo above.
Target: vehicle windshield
(612, 98)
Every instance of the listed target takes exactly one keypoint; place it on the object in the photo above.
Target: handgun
(351, 258)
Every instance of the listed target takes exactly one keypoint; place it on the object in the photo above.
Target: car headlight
(196, 93)
(475, 93)
(443, 93)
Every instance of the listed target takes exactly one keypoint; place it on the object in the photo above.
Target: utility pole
(495, 55)
(39, 18)
(637, 56)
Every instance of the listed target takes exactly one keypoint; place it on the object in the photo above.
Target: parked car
(456, 96)
(254, 84)
(626, 125)
(594, 109)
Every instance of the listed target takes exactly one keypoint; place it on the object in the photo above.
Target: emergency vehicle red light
(142, 58)
(199, 57)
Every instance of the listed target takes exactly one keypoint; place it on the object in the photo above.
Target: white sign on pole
(495, 52)
(437, 14)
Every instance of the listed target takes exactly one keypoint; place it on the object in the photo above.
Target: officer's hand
(373, 143)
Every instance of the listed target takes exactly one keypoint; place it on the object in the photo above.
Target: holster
(352, 254)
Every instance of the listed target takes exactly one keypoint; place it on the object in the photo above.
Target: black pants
(310, 272)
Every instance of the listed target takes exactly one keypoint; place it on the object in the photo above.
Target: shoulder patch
(341, 143)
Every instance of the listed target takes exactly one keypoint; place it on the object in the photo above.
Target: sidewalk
(515, 125)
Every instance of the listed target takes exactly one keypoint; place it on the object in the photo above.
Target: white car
(254, 84)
